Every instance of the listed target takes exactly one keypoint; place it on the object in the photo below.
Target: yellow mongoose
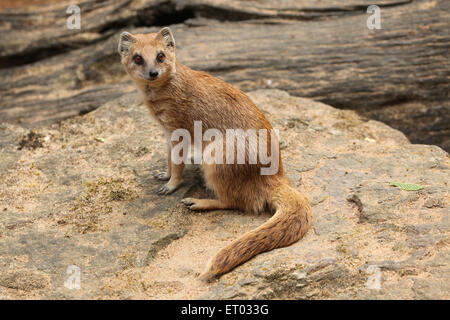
(176, 97)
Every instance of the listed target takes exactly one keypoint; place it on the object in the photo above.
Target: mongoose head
(148, 58)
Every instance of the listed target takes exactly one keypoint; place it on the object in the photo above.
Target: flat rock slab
(81, 193)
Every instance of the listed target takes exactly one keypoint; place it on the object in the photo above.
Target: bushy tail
(290, 222)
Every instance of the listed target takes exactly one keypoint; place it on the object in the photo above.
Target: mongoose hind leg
(204, 204)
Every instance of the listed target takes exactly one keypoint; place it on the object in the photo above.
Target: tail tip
(208, 277)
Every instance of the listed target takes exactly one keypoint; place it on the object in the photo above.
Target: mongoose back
(176, 96)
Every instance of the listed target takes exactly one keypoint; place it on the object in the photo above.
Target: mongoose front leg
(164, 176)
(175, 172)
(204, 204)
(174, 181)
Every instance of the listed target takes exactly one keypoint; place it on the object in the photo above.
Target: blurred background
(319, 49)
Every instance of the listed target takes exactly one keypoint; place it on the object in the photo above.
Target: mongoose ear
(125, 42)
(167, 37)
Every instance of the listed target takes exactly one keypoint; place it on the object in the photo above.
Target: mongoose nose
(153, 73)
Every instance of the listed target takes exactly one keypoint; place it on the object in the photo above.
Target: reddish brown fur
(181, 96)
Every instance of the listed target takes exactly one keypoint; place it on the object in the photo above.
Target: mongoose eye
(160, 57)
(138, 59)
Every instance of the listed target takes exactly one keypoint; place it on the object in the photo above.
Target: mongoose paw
(166, 189)
(189, 202)
(164, 176)
(204, 204)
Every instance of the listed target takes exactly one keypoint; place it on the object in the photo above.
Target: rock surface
(317, 49)
(82, 193)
